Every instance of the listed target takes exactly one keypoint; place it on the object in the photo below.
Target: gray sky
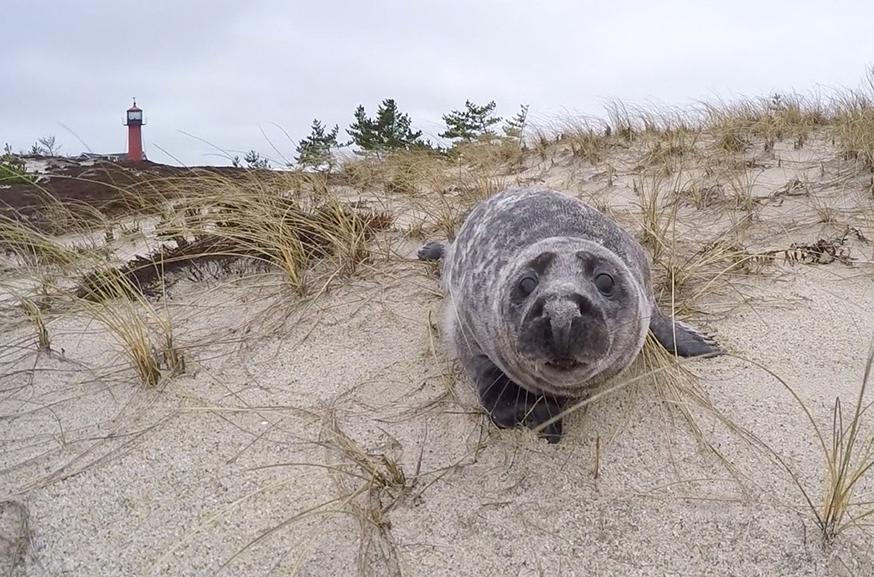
(222, 72)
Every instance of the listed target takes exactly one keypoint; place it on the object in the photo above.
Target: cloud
(224, 71)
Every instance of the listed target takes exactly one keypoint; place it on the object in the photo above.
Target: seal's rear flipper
(431, 251)
(690, 342)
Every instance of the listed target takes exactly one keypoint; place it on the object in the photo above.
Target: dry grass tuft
(34, 249)
(146, 336)
(669, 151)
(35, 316)
(854, 122)
(741, 182)
(494, 153)
(224, 221)
(401, 172)
(849, 458)
(622, 121)
(736, 125)
(658, 211)
(586, 140)
(442, 188)
(682, 281)
(385, 484)
(684, 270)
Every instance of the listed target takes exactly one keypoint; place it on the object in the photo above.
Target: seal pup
(547, 298)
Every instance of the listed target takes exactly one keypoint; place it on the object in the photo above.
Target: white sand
(120, 480)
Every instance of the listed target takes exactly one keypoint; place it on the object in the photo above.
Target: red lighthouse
(134, 123)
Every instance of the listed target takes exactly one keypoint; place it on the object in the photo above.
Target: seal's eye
(604, 283)
(528, 284)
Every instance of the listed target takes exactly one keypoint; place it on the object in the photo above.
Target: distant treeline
(391, 130)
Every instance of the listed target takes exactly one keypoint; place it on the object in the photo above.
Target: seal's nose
(561, 314)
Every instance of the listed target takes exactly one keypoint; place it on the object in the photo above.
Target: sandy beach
(332, 435)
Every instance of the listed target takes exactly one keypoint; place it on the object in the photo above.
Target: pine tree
(254, 160)
(473, 123)
(314, 151)
(363, 130)
(390, 130)
(516, 125)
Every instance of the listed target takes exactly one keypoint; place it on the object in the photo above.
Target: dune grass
(129, 317)
(34, 314)
(853, 125)
(146, 336)
(849, 458)
(290, 225)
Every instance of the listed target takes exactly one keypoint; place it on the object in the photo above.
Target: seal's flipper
(431, 251)
(690, 342)
(509, 405)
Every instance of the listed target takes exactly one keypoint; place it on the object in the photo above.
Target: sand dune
(334, 436)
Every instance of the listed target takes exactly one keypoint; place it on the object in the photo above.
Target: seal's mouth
(564, 364)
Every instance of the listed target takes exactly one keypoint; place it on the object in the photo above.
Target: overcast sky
(235, 75)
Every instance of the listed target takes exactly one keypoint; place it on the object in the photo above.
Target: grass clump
(291, 233)
(854, 123)
(36, 318)
(34, 249)
(585, 143)
(145, 336)
(849, 458)
(658, 211)
(289, 228)
(736, 125)
(586, 139)
(668, 151)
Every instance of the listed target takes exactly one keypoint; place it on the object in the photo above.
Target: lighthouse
(134, 123)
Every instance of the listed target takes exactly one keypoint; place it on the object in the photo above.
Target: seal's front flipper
(509, 405)
(431, 251)
(689, 341)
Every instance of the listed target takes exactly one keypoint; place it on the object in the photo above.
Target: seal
(546, 299)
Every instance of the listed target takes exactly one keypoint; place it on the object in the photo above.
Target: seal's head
(570, 310)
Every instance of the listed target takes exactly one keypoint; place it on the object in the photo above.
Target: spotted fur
(529, 354)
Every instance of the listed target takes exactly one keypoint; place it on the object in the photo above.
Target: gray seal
(546, 299)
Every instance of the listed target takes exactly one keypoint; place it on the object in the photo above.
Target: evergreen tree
(516, 125)
(363, 130)
(390, 130)
(254, 160)
(473, 123)
(314, 151)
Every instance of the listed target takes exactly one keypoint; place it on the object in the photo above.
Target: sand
(236, 467)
